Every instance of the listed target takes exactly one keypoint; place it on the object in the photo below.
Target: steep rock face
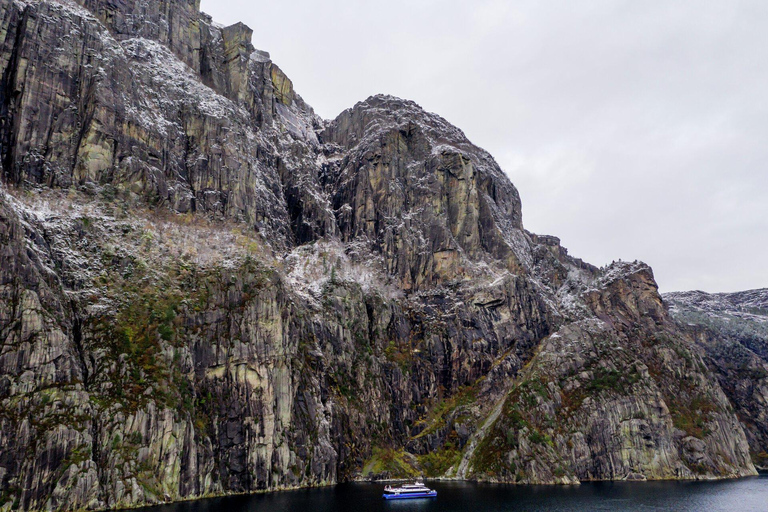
(732, 328)
(193, 379)
(207, 289)
(89, 104)
(172, 23)
(432, 203)
(39, 353)
(620, 394)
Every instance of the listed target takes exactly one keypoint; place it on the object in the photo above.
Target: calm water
(747, 495)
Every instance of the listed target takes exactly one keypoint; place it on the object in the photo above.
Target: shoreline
(760, 473)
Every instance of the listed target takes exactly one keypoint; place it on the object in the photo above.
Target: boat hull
(410, 495)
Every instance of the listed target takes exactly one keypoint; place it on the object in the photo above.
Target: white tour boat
(409, 491)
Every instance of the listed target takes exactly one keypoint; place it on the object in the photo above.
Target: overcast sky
(633, 129)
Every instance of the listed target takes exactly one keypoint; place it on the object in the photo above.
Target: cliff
(732, 330)
(207, 289)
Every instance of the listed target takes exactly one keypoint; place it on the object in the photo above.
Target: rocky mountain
(732, 329)
(207, 289)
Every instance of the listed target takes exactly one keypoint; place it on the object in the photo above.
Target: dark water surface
(746, 495)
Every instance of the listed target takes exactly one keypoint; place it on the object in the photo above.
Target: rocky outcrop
(431, 203)
(206, 289)
(101, 101)
(619, 396)
(732, 329)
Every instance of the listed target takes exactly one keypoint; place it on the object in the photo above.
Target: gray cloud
(632, 129)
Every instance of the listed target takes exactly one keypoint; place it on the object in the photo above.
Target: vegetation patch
(141, 340)
(399, 354)
(438, 416)
(491, 456)
(604, 380)
(437, 463)
(391, 463)
(692, 417)
(517, 415)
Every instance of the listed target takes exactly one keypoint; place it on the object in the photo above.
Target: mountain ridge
(206, 289)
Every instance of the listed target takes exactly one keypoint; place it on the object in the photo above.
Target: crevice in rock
(188, 172)
(8, 125)
(96, 456)
(77, 339)
(302, 231)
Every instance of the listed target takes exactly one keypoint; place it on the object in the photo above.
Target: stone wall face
(207, 289)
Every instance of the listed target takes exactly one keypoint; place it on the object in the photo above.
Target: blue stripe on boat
(407, 496)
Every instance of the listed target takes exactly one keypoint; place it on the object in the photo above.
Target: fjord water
(745, 495)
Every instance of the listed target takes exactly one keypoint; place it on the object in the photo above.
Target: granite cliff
(206, 289)
(732, 331)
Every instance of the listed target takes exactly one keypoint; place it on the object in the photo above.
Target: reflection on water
(746, 495)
